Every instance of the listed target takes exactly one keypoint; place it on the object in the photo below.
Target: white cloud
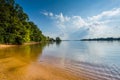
(51, 14)
(62, 18)
(45, 13)
(68, 25)
(106, 14)
(69, 22)
(78, 21)
(101, 25)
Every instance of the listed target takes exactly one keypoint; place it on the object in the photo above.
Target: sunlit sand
(14, 69)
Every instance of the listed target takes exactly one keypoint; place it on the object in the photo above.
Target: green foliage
(15, 27)
(58, 39)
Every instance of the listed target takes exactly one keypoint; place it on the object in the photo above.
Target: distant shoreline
(102, 39)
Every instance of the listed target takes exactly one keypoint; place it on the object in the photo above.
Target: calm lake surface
(107, 53)
(96, 60)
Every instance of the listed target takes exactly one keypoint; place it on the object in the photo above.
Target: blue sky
(75, 19)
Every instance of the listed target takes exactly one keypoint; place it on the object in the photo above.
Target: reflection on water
(16, 63)
(26, 52)
(97, 60)
(92, 52)
(94, 60)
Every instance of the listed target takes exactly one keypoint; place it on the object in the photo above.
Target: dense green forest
(15, 27)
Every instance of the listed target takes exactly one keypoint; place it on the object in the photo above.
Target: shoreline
(13, 45)
(30, 43)
(6, 45)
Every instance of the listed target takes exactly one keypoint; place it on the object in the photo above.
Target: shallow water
(96, 60)
(92, 60)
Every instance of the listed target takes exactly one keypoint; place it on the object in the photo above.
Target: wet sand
(11, 45)
(5, 46)
(14, 69)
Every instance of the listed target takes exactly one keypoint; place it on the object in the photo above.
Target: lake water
(107, 53)
(92, 59)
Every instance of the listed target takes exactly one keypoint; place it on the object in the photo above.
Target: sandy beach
(14, 69)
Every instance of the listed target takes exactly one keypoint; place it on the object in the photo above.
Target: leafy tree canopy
(15, 27)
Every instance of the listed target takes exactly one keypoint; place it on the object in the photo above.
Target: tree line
(102, 39)
(15, 27)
